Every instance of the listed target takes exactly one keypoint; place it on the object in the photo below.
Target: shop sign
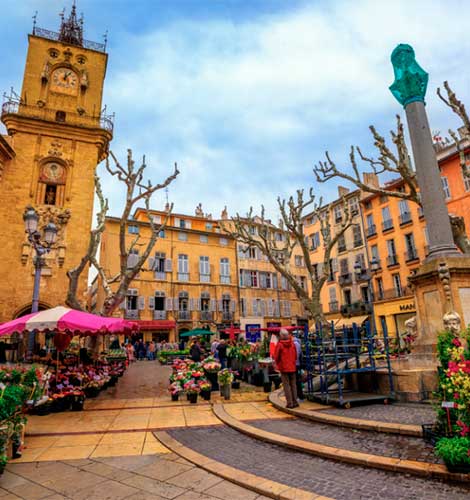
(407, 307)
(253, 333)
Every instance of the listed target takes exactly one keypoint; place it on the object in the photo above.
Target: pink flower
(456, 342)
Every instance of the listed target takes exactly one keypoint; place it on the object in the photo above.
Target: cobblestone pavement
(388, 445)
(324, 477)
(414, 414)
(154, 477)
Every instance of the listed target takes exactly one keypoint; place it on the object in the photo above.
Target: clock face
(64, 80)
(53, 172)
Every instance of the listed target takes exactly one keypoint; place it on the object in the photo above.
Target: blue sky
(247, 95)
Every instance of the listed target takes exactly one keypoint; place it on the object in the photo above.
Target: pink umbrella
(69, 321)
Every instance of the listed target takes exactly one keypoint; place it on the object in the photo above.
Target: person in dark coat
(222, 353)
(285, 357)
(195, 352)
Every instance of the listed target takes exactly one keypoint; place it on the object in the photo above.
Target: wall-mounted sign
(408, 307)
(253, 333)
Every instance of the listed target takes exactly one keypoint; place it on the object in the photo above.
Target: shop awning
(196, 333)
(349, 321)
(156, 324)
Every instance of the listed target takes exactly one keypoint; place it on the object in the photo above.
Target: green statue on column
(411, 80)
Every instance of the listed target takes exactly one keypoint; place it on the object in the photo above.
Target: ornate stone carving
(444, 276)
(56, 149)
(199, 212)
(224, 214)
(410, 79)
(452, 323)
(59, 216)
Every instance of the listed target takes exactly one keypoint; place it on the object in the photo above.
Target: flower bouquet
(192, 389)
(206, 388)
(225, 378)
(174, 389)
(212, 367)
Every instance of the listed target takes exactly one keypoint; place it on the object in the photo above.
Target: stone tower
(57, 134)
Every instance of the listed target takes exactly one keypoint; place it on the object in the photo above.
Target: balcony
(159, 314)
(52, 35)
(131, 314)
(70, 118)
(387, 225)
(357, 242)
(206, 315)
(204, 278)
(224, 280)
(395, 293)
(405, 218)
(411, 255)
(227, 316)
(359, 307)
(333, 306)
(184, 315)
(342, 248)
(371, 230)
(183, 276)
(392, 260)
(363, 276)
(345, 279)
(159, 275)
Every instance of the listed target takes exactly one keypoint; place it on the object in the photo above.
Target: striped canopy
(65, 320)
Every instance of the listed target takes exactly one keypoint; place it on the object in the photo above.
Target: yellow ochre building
(56, 135)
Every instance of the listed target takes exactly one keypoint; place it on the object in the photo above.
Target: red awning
(157, 324)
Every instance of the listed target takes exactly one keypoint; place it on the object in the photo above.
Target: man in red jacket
(285, 358)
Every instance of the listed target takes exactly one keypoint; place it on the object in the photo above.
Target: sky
(247, 95)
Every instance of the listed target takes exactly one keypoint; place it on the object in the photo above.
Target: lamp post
(41, 247)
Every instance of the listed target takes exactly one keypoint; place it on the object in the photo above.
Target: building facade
(56, 136)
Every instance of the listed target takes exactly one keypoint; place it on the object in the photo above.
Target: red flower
(456, 342)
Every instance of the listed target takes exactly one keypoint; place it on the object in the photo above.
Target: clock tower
(56, 135)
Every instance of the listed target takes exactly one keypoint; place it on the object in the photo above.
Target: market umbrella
(196, 332)
(67, 321)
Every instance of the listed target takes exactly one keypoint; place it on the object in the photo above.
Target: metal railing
(227, 316)
(224, 280)
(184, 314)
(206, 315)
(412, 255)
(53, 35)
(395, 293)
(345, 279)
(131, 314)
(159, 275)
(204, 278)
(333, 306)
(392, 260)
(387, 224)
(359, 307)
(159, 314)
(357, 242)
(371, 230)
(342, 248)
(405, 218)
(183, 276)
(68, 117)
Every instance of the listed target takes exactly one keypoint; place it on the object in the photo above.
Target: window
(204, 269)
(315, 240)
(466, 179)
(387, 222)
(344, 267)
(397, 285)
(383, 198)
(368, 205)
(338, 213)
(411, 253)
(203, 238)
(392, 253)
(445, 186)
(243, 307)
(278, 237)
(131, 302)
(209, 226)
(357, 235)
(252, 230)
(133, 229)
(284, 283)
(224, 242)
(254, 278)
(183, 267)
(347, 297)
(50, 194)
(161, 234)
(205, 303)
(374, 251)
(380, 288)
(181, 223)
(225, 271)
(182, 236)
(405, 214)
(252, 252)
(299, 261)
(183, 301)
(303, 282)
(354, 206)
(370, 225)
(159, 304)
(159, 265)
(341, 243)
(60, 116)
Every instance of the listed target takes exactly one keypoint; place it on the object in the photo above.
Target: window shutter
(220, 306)
(132, 260)
(123, 304)
(270, 307)
(168, 265)
(277, 313)
(233, 306)
(255, 307)
(213, 305)
(188, 224)
(152, 302)
(141, 303)
(198, 304)
(320, 269)
(274, 281)
(169, 304)
(177, 222)
(263, 308)
(191, 304)
(151, 263)
(335, 265)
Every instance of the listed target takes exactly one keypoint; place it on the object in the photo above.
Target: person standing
(195, 352)
(222, 352)
(151, 351)
(298, 365)
(285, 357)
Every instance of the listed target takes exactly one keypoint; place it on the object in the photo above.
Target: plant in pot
(211, 368)
(175, 389)
(236, 381)
(78, 400)
(206, 388)
(225, 378)
(455, 452)
(192, 389)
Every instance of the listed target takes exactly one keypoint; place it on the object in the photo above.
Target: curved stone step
(340, 420)
(404, 466)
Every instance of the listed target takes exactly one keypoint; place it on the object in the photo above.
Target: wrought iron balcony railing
(227, 316)
(52, 35)
(387, 225)
(334, 306)
(206, 315)
(159, 275)
(159, 314)
(131, 314)
(371, 230)
(204, 278)
(183, 276)
(224, 280)
(412, 255)
(392, 260)
(405, 218)
(184, 314)
(68, 117)
(345, 279)
(357, 242)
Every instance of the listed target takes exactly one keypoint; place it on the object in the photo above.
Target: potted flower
(455, 452)
(236, 382)
(205, 387)
(174, 389)
(225, 378)
(78, 400)
(212, 367)
(192, 389)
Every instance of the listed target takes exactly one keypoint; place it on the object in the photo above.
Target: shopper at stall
(151, 351)
(196, 352)
(222, 353)
(285, 358)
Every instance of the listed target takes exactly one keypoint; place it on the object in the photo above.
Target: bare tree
(387, 161)
(130, 263)
(279, 253)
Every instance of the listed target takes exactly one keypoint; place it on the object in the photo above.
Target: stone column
(409, 88)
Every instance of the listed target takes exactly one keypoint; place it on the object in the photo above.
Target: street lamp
(41, 247)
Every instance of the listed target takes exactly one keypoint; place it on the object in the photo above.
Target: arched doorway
(27, 309)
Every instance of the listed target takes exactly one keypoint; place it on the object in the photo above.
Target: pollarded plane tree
(130, 263)
(259, 232)
(395, 160)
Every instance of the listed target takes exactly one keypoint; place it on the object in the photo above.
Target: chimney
(342, 191)
(370, 179)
